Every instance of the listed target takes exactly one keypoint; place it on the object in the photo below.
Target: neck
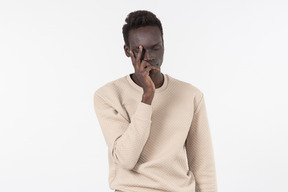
(157, 78)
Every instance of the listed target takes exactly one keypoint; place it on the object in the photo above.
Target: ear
(127, 50)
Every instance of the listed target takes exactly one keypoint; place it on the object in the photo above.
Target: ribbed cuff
(143, 111)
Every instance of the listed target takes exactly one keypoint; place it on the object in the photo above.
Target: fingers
(147, 67)
(150, 68)
(139, 54)
(141, 66)
(136, 59)
(144, 65)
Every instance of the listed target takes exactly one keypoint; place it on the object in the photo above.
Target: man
(155, 126)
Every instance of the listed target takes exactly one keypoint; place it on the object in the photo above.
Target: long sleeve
(125, 140)
(199, 151)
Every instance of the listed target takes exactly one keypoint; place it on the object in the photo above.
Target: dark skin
(146, 49)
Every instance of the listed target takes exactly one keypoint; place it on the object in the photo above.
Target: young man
(155, 126)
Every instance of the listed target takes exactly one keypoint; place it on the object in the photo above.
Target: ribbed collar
(137, 87)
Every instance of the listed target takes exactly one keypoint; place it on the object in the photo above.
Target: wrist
(147, 98)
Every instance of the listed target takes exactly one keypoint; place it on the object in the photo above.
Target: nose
(147, 55)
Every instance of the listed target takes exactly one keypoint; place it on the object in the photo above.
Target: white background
(55, 54)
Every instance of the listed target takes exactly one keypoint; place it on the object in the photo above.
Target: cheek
(160, 55)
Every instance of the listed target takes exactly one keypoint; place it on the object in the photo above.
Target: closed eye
(156, 47)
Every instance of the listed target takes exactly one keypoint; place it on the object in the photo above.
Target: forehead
(146, 36)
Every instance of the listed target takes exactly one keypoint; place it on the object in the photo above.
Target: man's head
(144, 28)
(139, 19)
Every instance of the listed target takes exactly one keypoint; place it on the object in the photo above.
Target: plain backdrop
(55, 54)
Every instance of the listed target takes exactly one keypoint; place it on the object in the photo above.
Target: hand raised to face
(142, 69)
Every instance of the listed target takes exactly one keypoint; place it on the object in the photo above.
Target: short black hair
(138, 19)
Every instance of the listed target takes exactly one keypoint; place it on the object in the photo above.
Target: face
(151, 40)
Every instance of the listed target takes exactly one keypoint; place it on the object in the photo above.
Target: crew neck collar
(137, 87)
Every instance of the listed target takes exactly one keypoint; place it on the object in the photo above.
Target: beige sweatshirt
(165, 146)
